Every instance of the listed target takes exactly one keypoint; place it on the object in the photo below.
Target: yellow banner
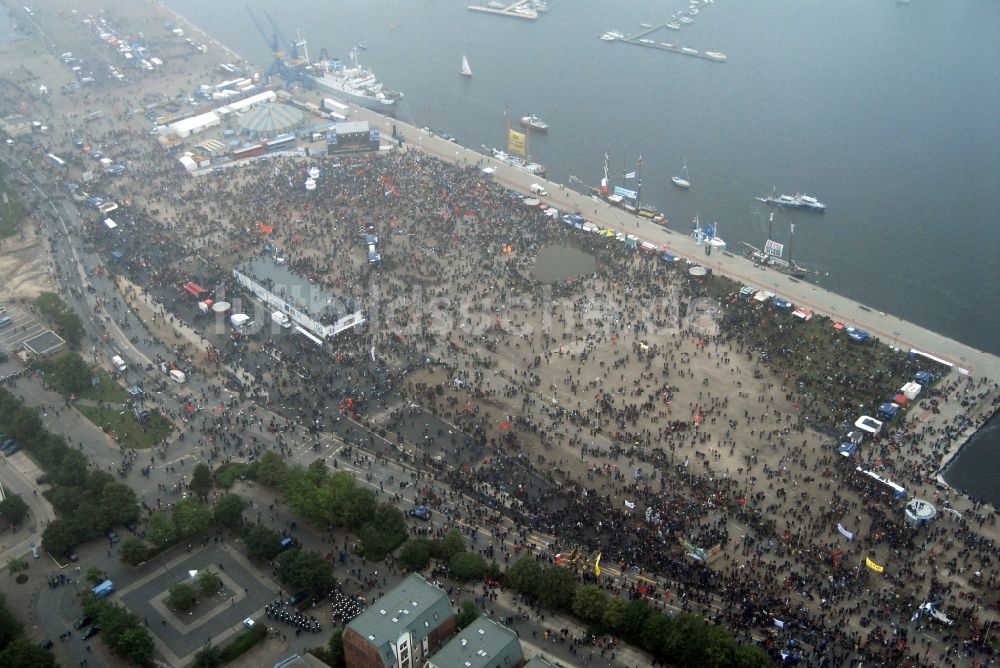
(516, 142)
(597, 565)
(872, 565)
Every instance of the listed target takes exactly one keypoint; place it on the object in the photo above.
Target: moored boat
(797, 201)
(534, 122)
(716, 55)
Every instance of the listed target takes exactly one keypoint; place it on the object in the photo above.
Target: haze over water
(886, 113)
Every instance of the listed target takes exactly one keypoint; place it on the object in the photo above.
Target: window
(435, 616)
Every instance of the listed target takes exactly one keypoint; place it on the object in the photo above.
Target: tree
(468, 612)
(466, 566)
(416, 554)
(634, 619)
(14, 509)
(271, 469)
(71, 374)
(614, 613)
(136, 645)
(10, 626)
(22, 653)
(208, 656)
(118, 503)
(16, 565)
(384, 533)
(589, 603)
(209, 583)
(452, 543)
(229, 510)
(161, 531)
(306, 569)
(58, 537)
(524, 575)
(182, 596)
(133, 551)
(556, 588)
(201, 480)
(95, 576)
(658, 636)
(191, 517)
(262, 542)
(71, 469)
(336, 649)
(66, 321)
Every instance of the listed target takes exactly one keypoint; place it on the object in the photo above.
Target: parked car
(91, 632)
(83, 621)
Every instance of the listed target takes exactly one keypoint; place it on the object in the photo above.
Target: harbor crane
(288, 64)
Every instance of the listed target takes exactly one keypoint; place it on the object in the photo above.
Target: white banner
(629, 505)
(844, 532)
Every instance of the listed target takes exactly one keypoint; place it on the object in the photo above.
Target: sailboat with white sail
(466, 71)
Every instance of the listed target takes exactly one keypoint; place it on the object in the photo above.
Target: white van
(281, 319)
(119, 363)
(538, 190)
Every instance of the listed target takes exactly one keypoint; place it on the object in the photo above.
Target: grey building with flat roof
(402, 628)
(482, 644)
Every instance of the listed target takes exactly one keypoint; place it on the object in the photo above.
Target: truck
(177, 375)
(537, 189)
(119, 363)
(281, 320)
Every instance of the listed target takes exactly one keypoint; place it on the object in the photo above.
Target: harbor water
(884, 112)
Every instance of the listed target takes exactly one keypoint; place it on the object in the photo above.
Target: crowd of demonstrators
(605, 410)
(735, 454)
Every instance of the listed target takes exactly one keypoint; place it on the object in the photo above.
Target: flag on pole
(597, 565)
(872, 565)
(629, 175)
(629, 505)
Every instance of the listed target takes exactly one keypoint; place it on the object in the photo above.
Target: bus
(57, 161)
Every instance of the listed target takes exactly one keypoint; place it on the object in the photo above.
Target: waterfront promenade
(891, 329)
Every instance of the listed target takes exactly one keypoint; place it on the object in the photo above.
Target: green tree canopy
(263, 543)
(466, 566)
(201, 480)
(66, 321)
(452, 543)
(524, 575)
(229, 510)
(468, 612)
(191, 517)
(14, 509)
(22, 653)
(118, 504)
(70, 374)
(182, 596)
(614, 614)
(415, 554)
(161, 531)
(590, 603)
(10, 626)
(133, 551)
(58, 537)
(306, 569)
(209, 583)
(556, 588)
(384, 533)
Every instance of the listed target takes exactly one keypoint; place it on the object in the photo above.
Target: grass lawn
(11, 214)
(107, 390)
(123, 425)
